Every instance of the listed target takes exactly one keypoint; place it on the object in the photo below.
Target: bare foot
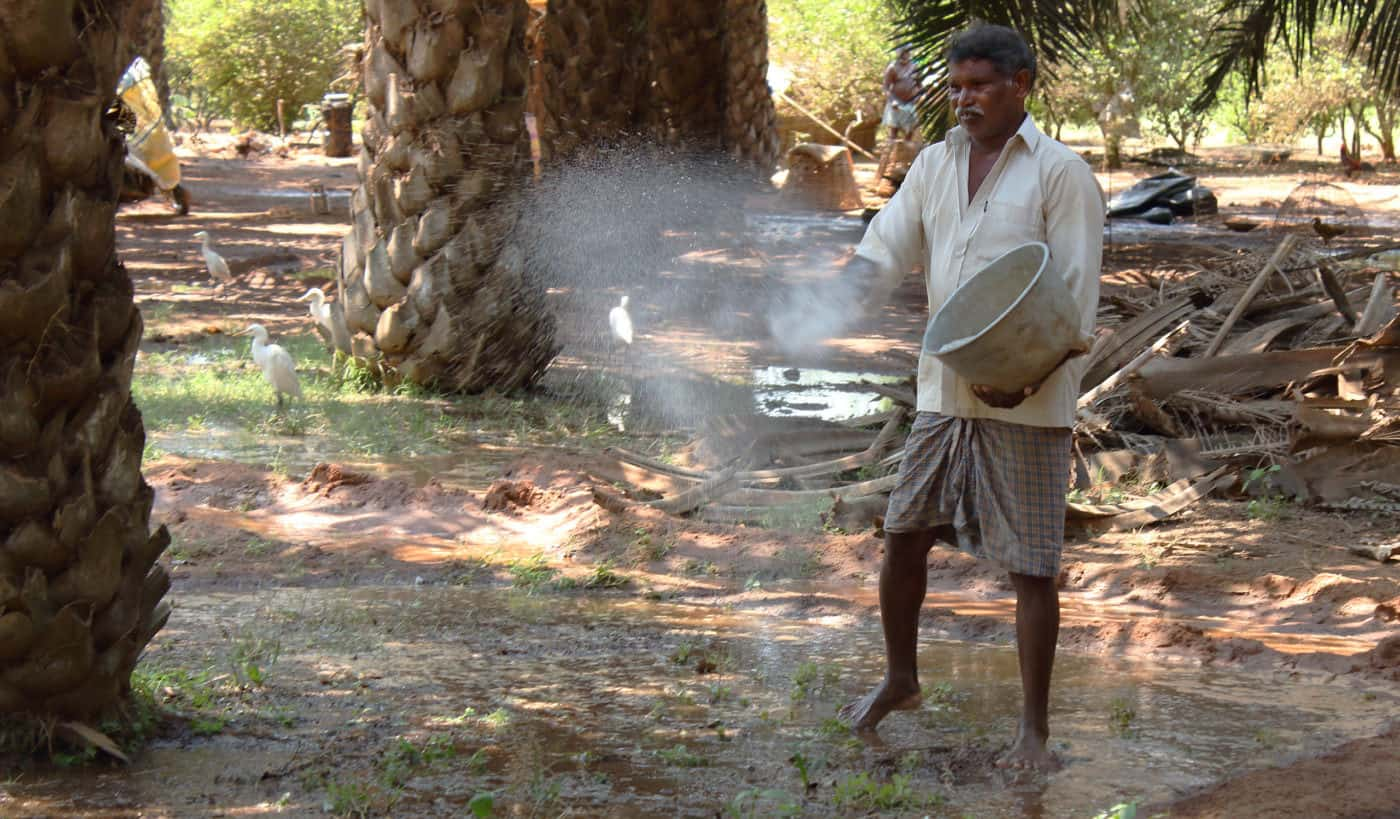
(1029, 753)
(865, 713)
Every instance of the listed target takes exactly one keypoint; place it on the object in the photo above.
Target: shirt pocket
(1005, 225)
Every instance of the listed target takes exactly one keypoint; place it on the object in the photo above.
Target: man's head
(990, 73)
(906, 54)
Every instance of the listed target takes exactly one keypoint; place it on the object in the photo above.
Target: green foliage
(1174, 35)
(860, 792)
(681, 757)
(482, 805)
(1120, 717)
(240, 56)
(837, 51)
(756, 802)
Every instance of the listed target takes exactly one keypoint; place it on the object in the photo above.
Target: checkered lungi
(1001, 486)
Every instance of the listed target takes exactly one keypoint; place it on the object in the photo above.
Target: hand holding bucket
(1008, 327)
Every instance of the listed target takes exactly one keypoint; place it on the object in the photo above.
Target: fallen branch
(1111, 383)
(1165, 505)
(780, 497)
(700, 495)
(1284, 248)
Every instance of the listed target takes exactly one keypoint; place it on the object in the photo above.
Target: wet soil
(397, 598)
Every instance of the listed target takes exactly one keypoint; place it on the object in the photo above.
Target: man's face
(906, 56)
(986, 102)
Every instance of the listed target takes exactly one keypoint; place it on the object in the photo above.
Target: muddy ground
(384, 634)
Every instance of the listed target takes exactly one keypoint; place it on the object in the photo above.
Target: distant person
(982, 469)
(902, 95)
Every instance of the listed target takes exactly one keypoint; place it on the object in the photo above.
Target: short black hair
(1003, 47)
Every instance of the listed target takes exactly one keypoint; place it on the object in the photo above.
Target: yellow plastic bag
(150, 144)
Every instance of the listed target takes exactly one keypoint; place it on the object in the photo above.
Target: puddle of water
(615, 678)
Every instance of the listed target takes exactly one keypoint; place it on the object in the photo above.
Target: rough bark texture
(750, 119)
(80, 590)
(147, 36)
(682, 74)
(434, 290)
(593, 71)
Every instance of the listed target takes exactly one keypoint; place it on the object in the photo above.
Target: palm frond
(1250, 28)
(1056, 30)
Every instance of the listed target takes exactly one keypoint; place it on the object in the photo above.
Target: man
(901, 85)
(983, 469)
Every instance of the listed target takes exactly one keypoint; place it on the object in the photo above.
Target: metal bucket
(1009, 325)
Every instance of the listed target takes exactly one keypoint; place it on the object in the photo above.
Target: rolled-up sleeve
(1074, 218)
(895, 241)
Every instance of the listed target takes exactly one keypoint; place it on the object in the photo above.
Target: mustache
(970, 109)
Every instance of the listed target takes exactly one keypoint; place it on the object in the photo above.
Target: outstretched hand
(993, 397)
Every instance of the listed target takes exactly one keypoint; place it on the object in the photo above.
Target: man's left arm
(1074, 216)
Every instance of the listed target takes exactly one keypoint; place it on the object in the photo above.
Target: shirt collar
(1028, 133)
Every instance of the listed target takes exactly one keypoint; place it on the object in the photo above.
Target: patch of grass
(755, 803)
(496, 720)
(603, 577)
(1123, 810)
(943, 695)
(720, 693)
(681, 757)
(797, 561)
(860, 792)
(352, 798)
(811, 679)
(532, 573)
(1120, 717)
(648, 549)
(207, 726)
(252, 652)
(212, 386)
(694, 568)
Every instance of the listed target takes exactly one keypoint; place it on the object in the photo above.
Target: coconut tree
(435, 288)
(593, 75)
(80, 591)
(433, 274)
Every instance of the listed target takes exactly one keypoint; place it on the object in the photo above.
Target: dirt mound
(325, 478)
(505, 495)
(1347, 782)
(1385, 657)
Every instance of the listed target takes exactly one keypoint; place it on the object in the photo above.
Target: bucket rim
(954, 346)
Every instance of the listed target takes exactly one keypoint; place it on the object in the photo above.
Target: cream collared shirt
(1038, 191)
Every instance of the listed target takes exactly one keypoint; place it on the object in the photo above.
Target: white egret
(331, 317)
(277, 365)
(620, 322)
(213, 262)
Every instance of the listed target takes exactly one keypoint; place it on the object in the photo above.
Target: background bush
(236, 58)
(837, 51)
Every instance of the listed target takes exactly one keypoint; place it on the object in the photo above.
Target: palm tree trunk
(593, 72)
(434, 289)
(81, 591)
(686, 106)
(750, 119)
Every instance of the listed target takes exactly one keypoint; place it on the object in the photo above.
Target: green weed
(681, 757)
(811, 679)
(755, 803)
(1120, 717)
(860, 792)
(532, 573)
